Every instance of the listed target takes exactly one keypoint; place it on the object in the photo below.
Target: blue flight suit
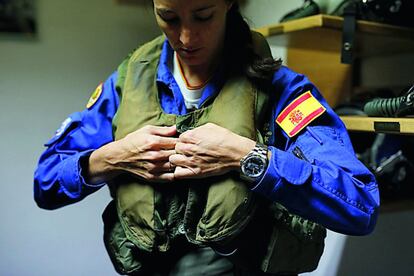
(314, 174)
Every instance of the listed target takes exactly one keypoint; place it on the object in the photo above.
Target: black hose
(383, 107)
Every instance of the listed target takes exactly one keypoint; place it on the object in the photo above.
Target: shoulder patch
(95, 96)
(63, 127)
(65, 124)
(299, 113)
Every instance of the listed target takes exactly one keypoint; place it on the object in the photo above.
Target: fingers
(183, 173)
(167, 177)
(196, 163)
(154, 172)
(151, 138)
(162, 131)
(160, 167)
(184, 167)
(179, 160)
(160, 137)
(161, 143)
(163, 177)
(189, 137)
(196, 135)
(186, 149)
(157, 156)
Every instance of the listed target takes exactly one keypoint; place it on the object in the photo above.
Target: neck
(197, 75)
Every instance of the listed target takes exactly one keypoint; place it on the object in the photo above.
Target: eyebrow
(204, 8)
(165, 10)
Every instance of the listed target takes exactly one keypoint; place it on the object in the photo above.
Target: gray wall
(43, 80)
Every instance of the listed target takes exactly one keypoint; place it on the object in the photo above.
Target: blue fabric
(58, 180)
(331, 186)
(328, 185)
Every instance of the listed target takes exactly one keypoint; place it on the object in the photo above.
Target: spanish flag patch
(95, 96)
(299, 113)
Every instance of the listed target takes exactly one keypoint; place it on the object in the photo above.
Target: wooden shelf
(379, 124)
(324, 32)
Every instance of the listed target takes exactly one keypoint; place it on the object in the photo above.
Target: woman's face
(194, 28)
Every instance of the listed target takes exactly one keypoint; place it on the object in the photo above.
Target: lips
(189, 52)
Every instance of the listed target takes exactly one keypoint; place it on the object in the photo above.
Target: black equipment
(308, 8)
(392, 107)
(396, 12)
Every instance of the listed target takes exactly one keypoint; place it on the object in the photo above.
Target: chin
(193, 61)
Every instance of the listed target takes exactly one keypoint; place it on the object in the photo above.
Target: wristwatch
(254, 164)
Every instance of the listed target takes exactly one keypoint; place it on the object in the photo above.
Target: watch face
(254, 166)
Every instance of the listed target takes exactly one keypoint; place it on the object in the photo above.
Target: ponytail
(239, 54)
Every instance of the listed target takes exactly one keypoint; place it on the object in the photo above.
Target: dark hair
(239, 54)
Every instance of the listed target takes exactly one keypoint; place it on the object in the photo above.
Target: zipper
(299, 153)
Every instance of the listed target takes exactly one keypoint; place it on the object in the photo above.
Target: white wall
(42, 80)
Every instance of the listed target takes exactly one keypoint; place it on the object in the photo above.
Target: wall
(42, 80)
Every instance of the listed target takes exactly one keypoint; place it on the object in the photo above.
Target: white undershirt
(191, 96)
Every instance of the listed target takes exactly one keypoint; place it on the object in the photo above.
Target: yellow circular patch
(95, 96)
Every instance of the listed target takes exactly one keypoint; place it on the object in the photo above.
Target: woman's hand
(144, 153)
(207, 151)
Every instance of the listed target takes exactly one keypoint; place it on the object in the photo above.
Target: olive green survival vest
(212, 211)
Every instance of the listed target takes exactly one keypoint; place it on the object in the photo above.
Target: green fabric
(213, 211)
(295, 244)
(152, 214)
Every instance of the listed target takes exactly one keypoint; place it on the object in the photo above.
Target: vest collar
(165, 77)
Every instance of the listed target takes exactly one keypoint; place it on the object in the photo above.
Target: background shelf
(379, 124)
(324, 32)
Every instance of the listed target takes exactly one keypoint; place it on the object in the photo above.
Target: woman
(213, 153)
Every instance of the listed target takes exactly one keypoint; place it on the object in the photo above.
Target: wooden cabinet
(324, 33)
(314, 47)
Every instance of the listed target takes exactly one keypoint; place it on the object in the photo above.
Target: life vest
(213, 211)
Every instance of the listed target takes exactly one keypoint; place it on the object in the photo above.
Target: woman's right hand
(144, 153)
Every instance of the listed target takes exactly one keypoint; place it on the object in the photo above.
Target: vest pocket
(121, 251)
(295, 245)
(229, 208)
(277, 242)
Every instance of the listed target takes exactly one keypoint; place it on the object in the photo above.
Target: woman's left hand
(209, 150)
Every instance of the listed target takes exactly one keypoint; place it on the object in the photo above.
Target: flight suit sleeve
(316, 173)
(58, 177)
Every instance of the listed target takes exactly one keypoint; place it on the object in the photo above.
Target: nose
(187, 36)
